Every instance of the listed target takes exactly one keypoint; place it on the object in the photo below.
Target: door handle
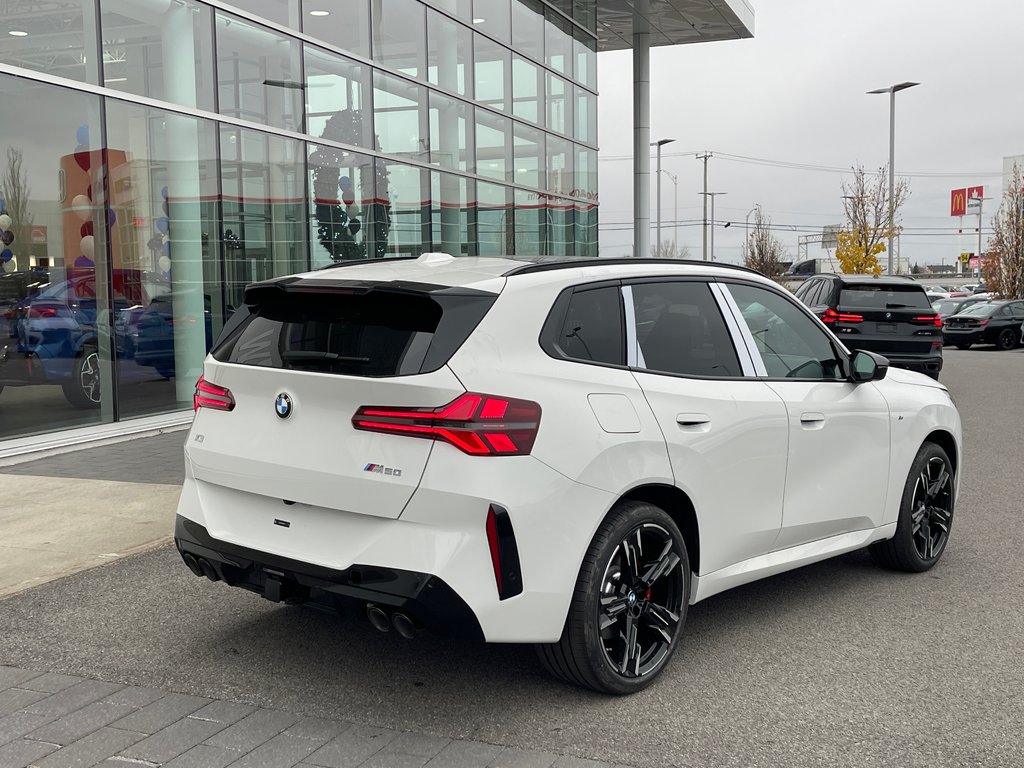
(812, 420)
(693, 420)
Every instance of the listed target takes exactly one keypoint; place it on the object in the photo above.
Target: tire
(648, 600)
(1007, 339)
(83, 391)
(964, 345)
(926, 515)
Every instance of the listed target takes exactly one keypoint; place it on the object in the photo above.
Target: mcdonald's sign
(958, 202)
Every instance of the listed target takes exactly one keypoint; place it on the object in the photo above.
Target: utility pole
(712, 195)
(705, 157)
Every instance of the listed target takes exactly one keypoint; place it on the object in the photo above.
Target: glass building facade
(158, 155)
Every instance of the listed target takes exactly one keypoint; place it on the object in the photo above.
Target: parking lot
(838, 663)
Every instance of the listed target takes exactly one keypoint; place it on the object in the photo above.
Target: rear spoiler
(260, 293)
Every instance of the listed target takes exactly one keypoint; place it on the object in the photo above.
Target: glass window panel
(585, 51)
(57, 38)
(585, 13)
(560, 164)
(283, 12)
(527, 90)
(403, 227)
(586, 173)
(586, 230)
(449, 52)
(562, 226)
(528, 28)
(680, 329)
(343, 205)
(559, 103)
(585, 115)
(259, 73)
(399, 109)
(398, 31)
(494, 231)
(167, 242)
(494, 17)
(54, 259)
(449, 132)
(528, 154)
(263, 188)
(450, 214)
(492, 69)
(348, 29)
(592, 329)
(493, 145)
(161, 52)
(558, 43)
(459, 8)
(530, 226)
(337, 91)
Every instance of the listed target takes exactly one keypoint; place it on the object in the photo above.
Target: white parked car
(567, 454)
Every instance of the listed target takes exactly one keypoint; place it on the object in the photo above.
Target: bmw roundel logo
(631, 599)
(283, 405)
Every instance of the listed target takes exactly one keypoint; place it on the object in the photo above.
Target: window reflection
(348, 28)
(406, 199)
(493, 156)
(492, 68)
(527, 90)
(337, 95)
(345, 214)
(398, 31)
(493, 220)
(163, 52)
(450, 214)
(399, 115)
(449, 132)
(259, 74)
(449, 53)
(58, 38)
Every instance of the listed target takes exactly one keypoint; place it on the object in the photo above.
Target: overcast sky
(795, 93)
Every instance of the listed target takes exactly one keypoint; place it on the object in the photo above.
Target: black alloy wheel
(1007, 339)
(926, 514)
(629, 604)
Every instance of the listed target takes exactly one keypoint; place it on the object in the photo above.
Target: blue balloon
(82, 134)
(344, 183)
(162, 226)
(6, 254)
(167, 249)
(1, 205)
(163, 193)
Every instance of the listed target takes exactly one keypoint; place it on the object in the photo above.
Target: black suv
(889, 315)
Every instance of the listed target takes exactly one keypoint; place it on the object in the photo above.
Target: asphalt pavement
(838, 663)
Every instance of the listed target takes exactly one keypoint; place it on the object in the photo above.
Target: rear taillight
(935, 320)
(41, 313)
(210, 395)
(831, 316)
(480, 425)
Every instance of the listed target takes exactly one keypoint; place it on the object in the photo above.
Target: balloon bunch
(83, 206)
(7, 261)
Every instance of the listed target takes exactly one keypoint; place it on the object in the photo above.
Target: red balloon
(86, 229)
(83, 160)
(348, 198)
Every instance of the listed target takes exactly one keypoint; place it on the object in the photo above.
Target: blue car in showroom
(53, 338)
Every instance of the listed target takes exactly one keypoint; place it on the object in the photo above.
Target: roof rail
(544, 266)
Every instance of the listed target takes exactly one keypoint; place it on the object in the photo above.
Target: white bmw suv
(563, 453)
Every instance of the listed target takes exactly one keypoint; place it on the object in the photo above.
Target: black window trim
(548, 338)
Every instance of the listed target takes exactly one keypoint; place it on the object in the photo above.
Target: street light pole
(659, 144)
(675, 206)
(891, 90)
(712, 195)
(746, 230)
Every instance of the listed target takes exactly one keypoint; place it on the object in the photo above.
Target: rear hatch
(297, 366)
(887, 318)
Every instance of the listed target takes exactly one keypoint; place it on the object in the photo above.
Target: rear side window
(375, 334)
(591, 327)
(679, 329)
(883, 297)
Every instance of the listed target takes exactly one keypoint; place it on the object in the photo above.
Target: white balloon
(5, 221)
(82, 206)
(10, 266)
(88, 247)
(164, 263)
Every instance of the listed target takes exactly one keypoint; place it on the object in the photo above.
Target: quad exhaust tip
(208, 570)
(382, 621)
(192, 563)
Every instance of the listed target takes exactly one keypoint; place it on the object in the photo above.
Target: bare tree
(866, 205)
(669, 250)
(15, 191)
(1003, 265)
(762, 250)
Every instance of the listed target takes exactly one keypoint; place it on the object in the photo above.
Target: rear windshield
(884, 297)
(376, 334)
(980, 309)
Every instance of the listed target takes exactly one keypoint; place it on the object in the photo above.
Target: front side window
(679, 329)
(792, 346)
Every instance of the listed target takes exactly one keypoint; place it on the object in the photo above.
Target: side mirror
(867, 366)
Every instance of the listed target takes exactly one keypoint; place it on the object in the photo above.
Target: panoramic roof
(673, 22)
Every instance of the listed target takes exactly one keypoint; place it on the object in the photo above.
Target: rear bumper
(966, 336)
(426, 598)
(930, 364)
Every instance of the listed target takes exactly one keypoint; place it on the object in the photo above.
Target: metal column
(641, 130)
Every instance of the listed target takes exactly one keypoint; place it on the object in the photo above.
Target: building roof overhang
(672, 22)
